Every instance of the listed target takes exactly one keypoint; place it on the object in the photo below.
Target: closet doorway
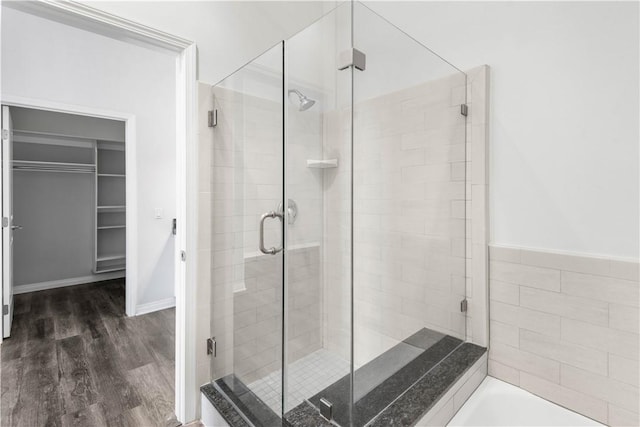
(65, 202)
(67, 273)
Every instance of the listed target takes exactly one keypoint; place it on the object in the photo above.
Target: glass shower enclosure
(339, 218)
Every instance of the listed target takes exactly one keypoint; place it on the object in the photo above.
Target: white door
(7, 222)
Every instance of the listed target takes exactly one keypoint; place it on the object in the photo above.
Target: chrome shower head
(305, 102)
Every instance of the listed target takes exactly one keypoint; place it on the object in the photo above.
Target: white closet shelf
(111, 268)
(110, 246)
(111, 208)
(63, 135)
(322, 164)
(105, 145)
(111, 257)
(23, 135)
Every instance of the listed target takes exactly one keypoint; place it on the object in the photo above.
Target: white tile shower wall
(304, 184)
(337, 235)
(477, 193)
(203, 278)
(565, 327)
(257, 318)
(246, 285)
(227, 224)
(409, 214)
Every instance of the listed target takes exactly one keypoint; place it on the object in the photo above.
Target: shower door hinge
(464, 109)
(5, 309)
(211, 346)
(326, 409)
(212, 118)
(464, 305)
(350, 57)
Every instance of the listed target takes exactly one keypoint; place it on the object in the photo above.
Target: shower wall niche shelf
(322, 164)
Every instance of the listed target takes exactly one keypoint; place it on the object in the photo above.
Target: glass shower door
(247, 256)
(317, 185)
(281, 292)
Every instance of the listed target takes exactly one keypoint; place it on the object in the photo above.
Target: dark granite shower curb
(254, 410)
(406, 410)
(223, 406)
(411, 406)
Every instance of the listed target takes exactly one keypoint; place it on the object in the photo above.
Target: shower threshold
(399, 386)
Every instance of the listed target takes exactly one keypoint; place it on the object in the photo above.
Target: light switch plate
(159, 213)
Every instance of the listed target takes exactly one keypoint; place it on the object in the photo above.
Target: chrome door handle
(16, 227)
(270, 251)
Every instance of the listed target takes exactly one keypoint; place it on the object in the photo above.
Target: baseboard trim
(52, 284)
(150, 307)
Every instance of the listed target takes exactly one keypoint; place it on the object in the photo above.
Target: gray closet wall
(56, 209)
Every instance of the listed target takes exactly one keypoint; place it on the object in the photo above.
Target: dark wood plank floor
(74, 359)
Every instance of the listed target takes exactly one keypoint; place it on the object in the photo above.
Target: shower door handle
(270, 251)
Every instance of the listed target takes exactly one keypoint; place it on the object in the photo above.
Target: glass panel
(246, 283)
(409, 212)
(365, 298)
(318, 250)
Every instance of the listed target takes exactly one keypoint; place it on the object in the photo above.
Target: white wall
(228, 33)
(46, 60)
(564, 118)
(564, 115)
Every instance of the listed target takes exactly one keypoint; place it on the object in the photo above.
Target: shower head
(305, 102)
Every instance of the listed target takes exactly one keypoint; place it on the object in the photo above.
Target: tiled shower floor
(307, 376)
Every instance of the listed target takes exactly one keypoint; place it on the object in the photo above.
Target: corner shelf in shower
(322, 164)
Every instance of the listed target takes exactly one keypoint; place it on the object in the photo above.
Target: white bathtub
(496, 403)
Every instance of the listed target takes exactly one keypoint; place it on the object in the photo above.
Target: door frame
(7, 235)
(94, 20)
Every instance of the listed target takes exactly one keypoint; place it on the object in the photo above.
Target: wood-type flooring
(75, 359)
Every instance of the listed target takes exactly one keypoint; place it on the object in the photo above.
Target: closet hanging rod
(39, 166)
